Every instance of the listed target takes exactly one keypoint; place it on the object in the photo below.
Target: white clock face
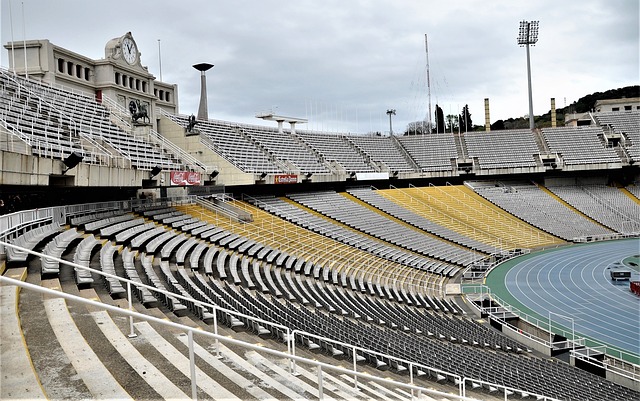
(129, 50)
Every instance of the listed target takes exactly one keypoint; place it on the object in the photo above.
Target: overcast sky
(343, 63)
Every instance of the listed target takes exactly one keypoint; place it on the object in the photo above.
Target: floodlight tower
(528, 35)
(203, 110)
(391, 112)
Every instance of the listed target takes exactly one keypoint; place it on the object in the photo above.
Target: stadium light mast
(391, 112)
(528, 35)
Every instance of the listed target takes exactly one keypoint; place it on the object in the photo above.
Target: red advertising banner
(285, 179)
(185, 178)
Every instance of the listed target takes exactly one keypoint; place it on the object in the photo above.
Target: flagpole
(13, 52)
(24, 43)
(160, 60)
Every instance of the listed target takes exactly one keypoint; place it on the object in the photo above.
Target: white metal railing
(486, 228)
(361, 264)
(184, 156)
(290, 339)
(8, 224)
(117, 112)
(443, 215)
(211, 206)
(12, 139)
(547, 326)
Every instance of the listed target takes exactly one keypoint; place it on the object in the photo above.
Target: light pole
(528, 35)
(391, 112)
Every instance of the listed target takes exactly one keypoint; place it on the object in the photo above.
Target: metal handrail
(542, 325)
(218, 338)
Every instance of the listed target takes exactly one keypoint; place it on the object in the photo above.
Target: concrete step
(18, 379)
(99, 381)
(205, 383)
(146, 370)
(230, 365)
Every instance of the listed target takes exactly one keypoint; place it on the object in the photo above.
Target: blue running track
(574, 282)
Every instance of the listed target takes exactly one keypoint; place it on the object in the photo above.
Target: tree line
(463, 123)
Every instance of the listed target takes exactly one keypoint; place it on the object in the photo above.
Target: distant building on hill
(604, 105)
(624, 104)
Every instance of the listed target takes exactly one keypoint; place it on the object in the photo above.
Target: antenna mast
(426, 46)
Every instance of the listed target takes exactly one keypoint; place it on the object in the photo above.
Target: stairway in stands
(80, 352)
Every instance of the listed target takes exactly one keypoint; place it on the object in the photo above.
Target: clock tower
(123, 49)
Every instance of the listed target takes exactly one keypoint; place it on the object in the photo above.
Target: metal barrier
(289, 355)
(290, 336)
(618, 356)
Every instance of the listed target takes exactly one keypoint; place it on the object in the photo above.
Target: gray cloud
(343, 64)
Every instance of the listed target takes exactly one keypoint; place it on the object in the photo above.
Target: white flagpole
(24, 42)
(13, 52)
(160, 60)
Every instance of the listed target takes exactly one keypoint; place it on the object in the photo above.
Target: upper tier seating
(382, 150)
(57, 122)
(431, 152)
(338, 149)
(285, 147)
(579, 145)
(626, 123)
(227, 140)
(502, 149)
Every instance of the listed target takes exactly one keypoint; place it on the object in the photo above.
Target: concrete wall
(623, 380)
(526, 334)
(228, 173)
(19, 169)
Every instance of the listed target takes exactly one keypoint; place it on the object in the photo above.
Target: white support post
(293, 350)
(411, 379)
(215, 331)
(292, 363)
(355, 377)
(132, 334)
(192, 366)
(320, 387)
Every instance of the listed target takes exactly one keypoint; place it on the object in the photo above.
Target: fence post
(411, 378)
(291, 361)
(215, 331)
(132, 334)
(320, 387)
(355, 377)
(192, 366)
(293, 350)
